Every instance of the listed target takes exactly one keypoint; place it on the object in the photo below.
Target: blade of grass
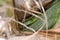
(53, 14)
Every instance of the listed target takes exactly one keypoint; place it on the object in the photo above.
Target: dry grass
(36, 35)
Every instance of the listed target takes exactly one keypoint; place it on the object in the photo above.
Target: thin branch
(24, 11)
(22, 24)
(10, 18)
(37, 4)
(36, 12)
(24, 17)
(46, 20)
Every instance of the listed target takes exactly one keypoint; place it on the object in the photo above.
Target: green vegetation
(53, 14)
